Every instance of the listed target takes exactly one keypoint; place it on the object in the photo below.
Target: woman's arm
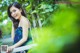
(24, 25)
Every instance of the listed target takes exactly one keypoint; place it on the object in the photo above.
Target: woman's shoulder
(25, 21)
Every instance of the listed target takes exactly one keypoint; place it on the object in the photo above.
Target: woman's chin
(16, 18)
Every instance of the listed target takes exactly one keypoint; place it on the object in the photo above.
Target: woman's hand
(10, 49)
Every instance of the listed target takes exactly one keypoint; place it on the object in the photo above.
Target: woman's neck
(20, 20)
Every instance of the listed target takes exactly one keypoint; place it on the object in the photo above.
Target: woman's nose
(13, 14)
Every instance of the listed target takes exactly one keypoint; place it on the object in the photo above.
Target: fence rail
(18, 49)
(27, 47)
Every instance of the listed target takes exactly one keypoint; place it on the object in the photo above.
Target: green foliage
(7, 28)
(63, 30)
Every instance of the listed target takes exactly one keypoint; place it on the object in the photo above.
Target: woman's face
(15, 12)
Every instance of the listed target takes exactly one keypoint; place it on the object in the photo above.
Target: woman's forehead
(13, 8)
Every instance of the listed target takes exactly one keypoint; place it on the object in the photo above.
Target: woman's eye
(14, 10)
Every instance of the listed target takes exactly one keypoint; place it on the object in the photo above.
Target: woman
(20, 26)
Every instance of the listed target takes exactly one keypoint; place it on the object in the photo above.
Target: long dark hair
(17, 5)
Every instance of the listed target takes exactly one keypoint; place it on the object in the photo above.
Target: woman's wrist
(13, 46)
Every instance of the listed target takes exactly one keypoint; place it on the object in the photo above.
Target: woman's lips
(15, 16)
